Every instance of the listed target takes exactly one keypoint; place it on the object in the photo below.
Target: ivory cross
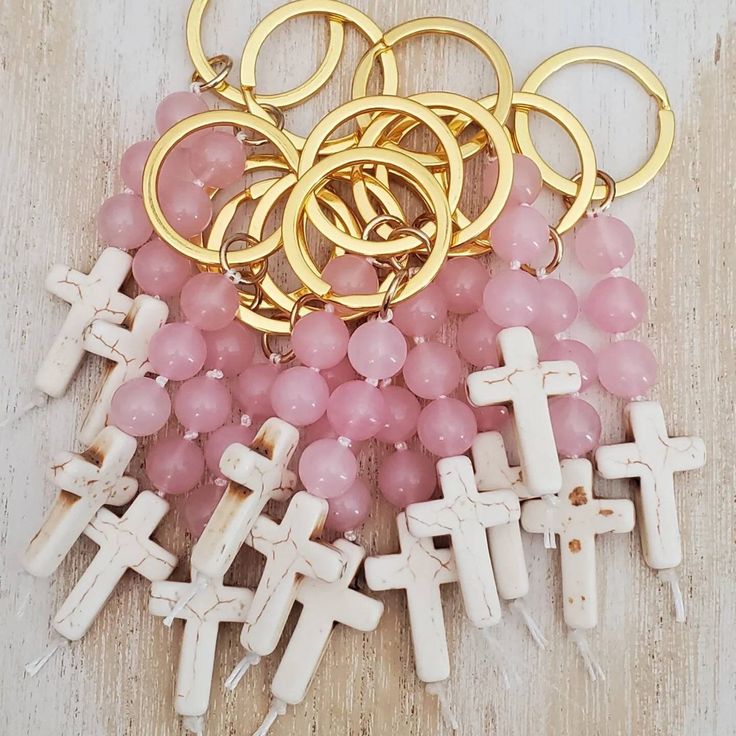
(124, 544)
(465, 514)
(527, 384)
(653, 457)
(92, 296)
(86, 482)
(577, 519)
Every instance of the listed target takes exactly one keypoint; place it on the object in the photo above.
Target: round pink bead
(339, 374)
(377, 350)
(199, 505)
(221, 439)
(558, 307)
(462, 281)
(579, 353)
(350, 274)
(615, 304)
(230, 349)
(432, 369)
(422, 315)
(402, 413)
(177, 351)
(175, 108)
(217, 159)
(299, 396)
(627, 368)
(320, 340)
(186, 206)
(209, 301)
(511, 298)
(406, 477)
(252, 389)
(357, 410)
(603, 243)
(327, 468)
(351, 509)
(476, 340)
(491, 418)
(133, 162)
(123, 223)
(576, 426)
(202, 404)
(520, 233)
(447, 427)
(526, 185)
(159, 270)
(174, 465)
(140, 407)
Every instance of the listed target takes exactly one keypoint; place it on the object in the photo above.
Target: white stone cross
(124, 544)
(419, 569)
(577, 519)
(86, 482)
(93, 296)
(653, 457)
(257, 474)
(527, 384)
(128, 349)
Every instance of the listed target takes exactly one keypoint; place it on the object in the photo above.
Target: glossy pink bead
(579, 353)
(186, 206)
(123, 223)
(491, 418)
(512, 298)
(615, 304)
(603, 243)
(406, 477)
(159, 270)
(558, 308)
(175, 108)
(299, 396)
(432, 369)
(526, 185)
(520, 233)
(252, 389)
(327, 468)
(351, 509)
(402, 413)
(476, 340)
(198, 507)
(202, 404)
(174, 465)
(462, 281)
(221, 439)
(422, 315)
(230, 349)
(351, 274)
(357, 410)
(627, 368)
(576, 426)
(177, 351)
(140, 407)
(209, 301)
(377, 350)
(339, 374)
(320, 340)
(447, 427)
(217, 159)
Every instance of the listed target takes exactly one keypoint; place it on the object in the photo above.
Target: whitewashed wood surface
(80, 80)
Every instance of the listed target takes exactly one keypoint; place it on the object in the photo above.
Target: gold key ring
(642, 74)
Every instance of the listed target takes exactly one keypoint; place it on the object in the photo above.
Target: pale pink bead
(422, 315)
(252, 389)
(299, 396)
(174, 465)
(627, 368)
(357, 410)
(320, 340)
(341, 373)
(209, 301)
(351, 509)
(203, 404)
(447, 427)
(520, 233)
(123, 223)
(558, 308)
(406, 477)
(576, 426)
(462, 281)
(526, 185)
(186, 206)
(603, 243)
(402, 413)
(140, 407)
(198, 507)
(351, 274)
(230, 349)
(160, 270)
(615, 304)
(177, 351)
(491, 418)
(175, 108)
(476, 340)
(432, 369)
(511, 298)
(377, 350)
(217, 159)
(579, 353)
(221, 439)
(327, 468)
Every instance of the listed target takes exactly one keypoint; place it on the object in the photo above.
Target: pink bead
(320, 340)
(177, 351)
(431, 370)
(579, 353)
(447, 427)
(526, 185)
(377, 350)
(327, 468)
(350, 274)
(406, 477)
(159, 270)
(186, 206)
(202, 404)
(133, 162)
(402, 413)
(558, 308)
(140, 407)
(422, 315)
(351, 509)
(576, 426)
(252, 389)
(174, 465)
(299, 396)
(603, 243)
(627, 369)
(520, 233)
(357, 410)
(512, 298)
(217, 159)
(230, 349)
(462, 281)
(209, 301)
(175, 108)
(338, 375)
(476, 340)
(199, 505)
(221, 439)
(615, 304)
(123, 223)
(491, 418)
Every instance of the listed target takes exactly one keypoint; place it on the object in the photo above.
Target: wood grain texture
(80, 81)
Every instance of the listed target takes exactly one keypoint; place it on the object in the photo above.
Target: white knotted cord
(519, 607)
(595, 672)
(670, 576)
(194, 590)
(278, 708)
(509, 675)
(549, 535)
(36, 665)
(193, 724)
(439, 689)
(250, 660)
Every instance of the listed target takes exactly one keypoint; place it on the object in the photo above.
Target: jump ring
(377, 221)
(406, 230)
(278, 120)
(552, 266)
(275, 355)
(610, 184)
(400, 278)
(219, 78)
(299, 304)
